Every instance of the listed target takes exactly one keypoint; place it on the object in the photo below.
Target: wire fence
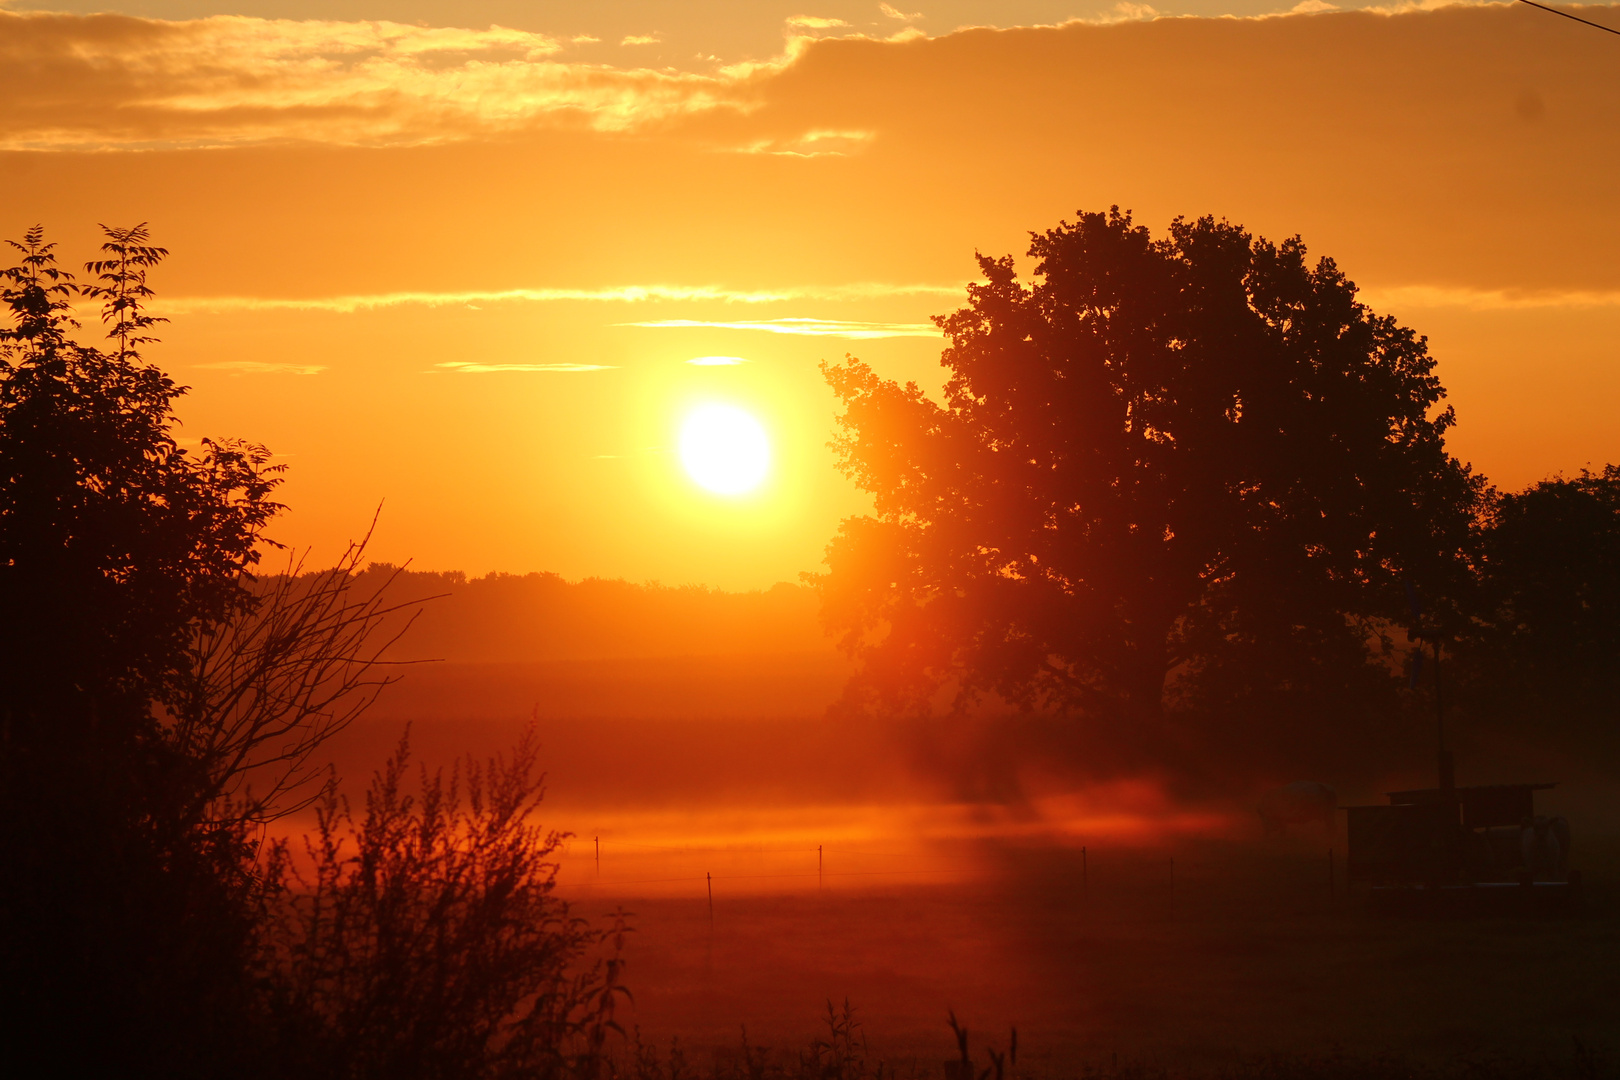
(1164, 877)
(589, 862)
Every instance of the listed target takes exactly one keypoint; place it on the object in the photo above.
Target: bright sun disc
(724, 449)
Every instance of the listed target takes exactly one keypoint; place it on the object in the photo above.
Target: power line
(1567, 15)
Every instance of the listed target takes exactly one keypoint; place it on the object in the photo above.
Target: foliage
(160, 704)
(116, 544)
(1545, 651)
(157, 700)
(117, 547)
(1198, 454)
(427, 941)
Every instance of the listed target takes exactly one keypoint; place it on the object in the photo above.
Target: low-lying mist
(1106, 889)
(693, 712)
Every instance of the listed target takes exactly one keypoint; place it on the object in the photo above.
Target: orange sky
(388, 232)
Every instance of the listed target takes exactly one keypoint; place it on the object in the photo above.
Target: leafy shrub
(425, 940)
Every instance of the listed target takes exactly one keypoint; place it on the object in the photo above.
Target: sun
(724, 449)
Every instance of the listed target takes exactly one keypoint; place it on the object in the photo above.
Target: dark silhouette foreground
(125, 907)
(160, 705)
(425, 939)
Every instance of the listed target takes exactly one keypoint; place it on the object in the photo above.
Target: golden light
(724, 449)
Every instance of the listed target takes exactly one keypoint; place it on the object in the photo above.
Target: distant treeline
(533, 617)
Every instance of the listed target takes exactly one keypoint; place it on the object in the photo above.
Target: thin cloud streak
(804, 326)
(1444, 296)
(1409, 295)
(817, 143)
(624, 294)
(467, 367)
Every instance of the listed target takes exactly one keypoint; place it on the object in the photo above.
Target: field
(1229, 968)
(1114, 924)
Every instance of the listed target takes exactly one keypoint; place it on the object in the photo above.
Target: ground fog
(776, 858)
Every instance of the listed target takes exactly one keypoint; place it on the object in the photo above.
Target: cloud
(804, 326)
(1407, 7)
(640, 39)
(1444, 296)
(716, 361)
(817, 143)
(1311, 7)
(624, 294)
(111, 81)
(258, 367)
(467, 367)
(98, 82)
(1126, 11)
(1432, 296)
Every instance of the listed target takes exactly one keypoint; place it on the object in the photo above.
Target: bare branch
(268, 688)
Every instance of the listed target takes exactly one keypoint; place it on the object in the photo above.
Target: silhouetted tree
(160, 704)
(427, 941)
(1196, 455)
(145, 678)
(115, 545)
(1544, 656)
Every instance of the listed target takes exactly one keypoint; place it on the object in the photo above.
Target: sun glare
(724, 449)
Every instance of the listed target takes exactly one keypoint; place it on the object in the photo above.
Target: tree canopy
(116, 543)
(160, 703)
(1544, 649)
(117, 548)
(1198, 454)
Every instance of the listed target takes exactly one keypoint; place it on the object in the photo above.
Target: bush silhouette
(425, 941)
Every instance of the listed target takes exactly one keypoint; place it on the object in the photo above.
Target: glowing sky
(463, 257)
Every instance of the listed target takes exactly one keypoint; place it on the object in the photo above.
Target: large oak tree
(1193, 464)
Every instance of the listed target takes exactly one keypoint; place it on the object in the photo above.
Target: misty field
(1180, 938)
(1246, 964)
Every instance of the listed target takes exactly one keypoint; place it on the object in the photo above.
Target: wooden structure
(1434, 836)
(1449, 849)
